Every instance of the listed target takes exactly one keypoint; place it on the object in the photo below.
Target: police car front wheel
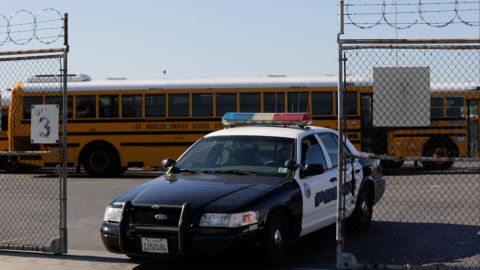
(276, 239)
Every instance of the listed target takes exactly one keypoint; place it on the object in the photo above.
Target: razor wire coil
(366, 18)
(23, 26)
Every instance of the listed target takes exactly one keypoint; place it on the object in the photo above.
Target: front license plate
(154, 245)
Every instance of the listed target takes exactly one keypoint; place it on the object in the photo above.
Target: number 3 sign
(44, 124)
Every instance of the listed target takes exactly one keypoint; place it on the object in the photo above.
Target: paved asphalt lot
(424, 218)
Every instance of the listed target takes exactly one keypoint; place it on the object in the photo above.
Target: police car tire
(276, 239)
(361, 217)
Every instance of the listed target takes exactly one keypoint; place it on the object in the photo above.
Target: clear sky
(206, 38)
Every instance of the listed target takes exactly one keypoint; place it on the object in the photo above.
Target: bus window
(225, 102)
(108, 106)
(322, 103)
(86, 107)
(436, 107)
(155, 105)
(455, 107)
(27, 105)
(4, 119)
(59, 100)
(178, 105)
(132, 106)
(202, 105)
(350, 103)
(250, 102)
(298, 102)
(274, 102)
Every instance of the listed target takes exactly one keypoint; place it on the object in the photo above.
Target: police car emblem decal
(308, 191)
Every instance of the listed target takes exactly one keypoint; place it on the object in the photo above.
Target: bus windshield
(239, 154)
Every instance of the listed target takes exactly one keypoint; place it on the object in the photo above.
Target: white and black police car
(264, 180)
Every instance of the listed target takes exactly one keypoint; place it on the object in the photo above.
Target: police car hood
(213, 192)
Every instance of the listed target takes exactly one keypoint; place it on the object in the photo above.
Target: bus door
(366, 120)
(473, 127)
(370, 133)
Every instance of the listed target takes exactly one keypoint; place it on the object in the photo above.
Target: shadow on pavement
(316, 251)
(400, 243)
(40, 255)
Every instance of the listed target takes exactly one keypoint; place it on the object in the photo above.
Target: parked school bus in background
(116, 124)
(453, 130)
(4, 107)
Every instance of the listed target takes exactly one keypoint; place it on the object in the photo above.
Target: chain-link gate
(420, 116)
(33, 148)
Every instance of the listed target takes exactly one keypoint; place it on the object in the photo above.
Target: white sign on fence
(44, 121)
(401, 96)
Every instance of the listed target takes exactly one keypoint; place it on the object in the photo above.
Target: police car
(263, 181)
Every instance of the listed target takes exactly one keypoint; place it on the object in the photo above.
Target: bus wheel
(439, 151)
(101, 161)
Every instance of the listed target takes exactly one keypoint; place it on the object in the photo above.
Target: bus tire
(439, 148)
(101, 160)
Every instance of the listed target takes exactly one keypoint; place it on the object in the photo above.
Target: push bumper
(198, 241)
(126, 237)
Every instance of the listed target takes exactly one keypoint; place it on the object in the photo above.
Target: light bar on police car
(236, 119)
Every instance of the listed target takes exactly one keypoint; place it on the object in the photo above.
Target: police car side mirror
(291, 165)
(168, 162)
(313, 169)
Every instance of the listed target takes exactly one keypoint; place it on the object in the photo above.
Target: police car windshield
(259, 155)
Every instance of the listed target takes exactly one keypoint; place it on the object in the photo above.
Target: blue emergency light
(236, 119)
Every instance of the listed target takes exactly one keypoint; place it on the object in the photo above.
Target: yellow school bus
(453, 131)
(117, 124)
(4, 157)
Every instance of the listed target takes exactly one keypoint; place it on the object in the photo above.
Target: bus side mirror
(168, 162)
(291, 165)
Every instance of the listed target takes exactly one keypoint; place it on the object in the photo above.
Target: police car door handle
(357, 171)
(333, 179)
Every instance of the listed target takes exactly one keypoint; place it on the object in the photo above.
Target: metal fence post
(340, 199)
(63, 185)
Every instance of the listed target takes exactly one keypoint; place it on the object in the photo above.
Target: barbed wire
(387, 12)
(20, 28)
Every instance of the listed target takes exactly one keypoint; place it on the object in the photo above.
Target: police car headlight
(113, 214)
(229, 220)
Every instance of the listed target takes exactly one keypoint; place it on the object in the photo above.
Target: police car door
(353, 174)
(318, 186)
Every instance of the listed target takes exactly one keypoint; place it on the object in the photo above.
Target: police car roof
(268, 131)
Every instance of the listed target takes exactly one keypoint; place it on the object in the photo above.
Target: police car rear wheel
(276, 239)
(361, 217)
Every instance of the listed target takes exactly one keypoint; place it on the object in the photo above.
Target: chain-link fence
(424, 108)
(32, 175)
(29, 193)
(420, 117)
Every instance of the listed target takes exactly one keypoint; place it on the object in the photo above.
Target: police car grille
(146, 216)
